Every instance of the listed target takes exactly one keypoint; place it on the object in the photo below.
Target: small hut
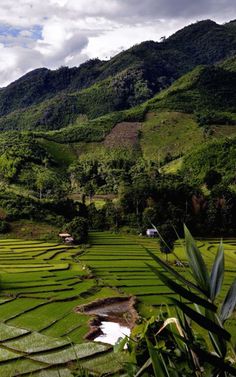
(66, 237)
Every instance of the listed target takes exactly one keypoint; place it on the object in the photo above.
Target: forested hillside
(99, 87)
(151, 131)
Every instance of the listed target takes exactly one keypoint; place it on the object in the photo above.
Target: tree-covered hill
(218, 156)
(64, 135)
(206, 89)
(37, 100)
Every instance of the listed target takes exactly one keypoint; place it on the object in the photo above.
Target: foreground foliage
(195, 341)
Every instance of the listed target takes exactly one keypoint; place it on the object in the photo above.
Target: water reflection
(112, 331)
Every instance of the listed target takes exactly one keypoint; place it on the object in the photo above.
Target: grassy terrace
(42, 283)
(120, 262)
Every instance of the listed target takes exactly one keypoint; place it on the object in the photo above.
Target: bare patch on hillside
(124, 134)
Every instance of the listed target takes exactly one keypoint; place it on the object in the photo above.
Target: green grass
(77, 352)
(42, 284)
(63, 154)
(120, 261)
(172, 167)
(169, 133)
(34, 342)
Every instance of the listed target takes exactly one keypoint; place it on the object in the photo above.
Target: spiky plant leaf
(183, 292)
(229, 303)
(201, 320)
(210, 358)
(175, 274)
(218, 342)
(144, 367)
(196, 263)
(217, 272)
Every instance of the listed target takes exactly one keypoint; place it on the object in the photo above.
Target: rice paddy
(41, 284)
(121, 262)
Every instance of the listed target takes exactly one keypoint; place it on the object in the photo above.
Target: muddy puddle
(113, 318)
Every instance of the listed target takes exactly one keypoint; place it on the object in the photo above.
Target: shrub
(4, 226)
(78, 228)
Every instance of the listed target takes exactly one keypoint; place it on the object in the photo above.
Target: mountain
(159, 114)
(205, 89)
(48, 100)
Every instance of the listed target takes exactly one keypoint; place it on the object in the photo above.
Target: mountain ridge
(153, 65)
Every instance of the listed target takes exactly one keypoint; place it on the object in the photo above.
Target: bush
(4, 227)
(78, 228)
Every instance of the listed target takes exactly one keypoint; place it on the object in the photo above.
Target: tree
(49, 184)
(212, 178)
(4, 226)
(78, 228)
(167, 239)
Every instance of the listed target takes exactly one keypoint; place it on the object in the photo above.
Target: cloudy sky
(52, 33)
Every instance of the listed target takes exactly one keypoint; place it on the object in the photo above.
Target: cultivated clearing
(42, 284)
(121, 262)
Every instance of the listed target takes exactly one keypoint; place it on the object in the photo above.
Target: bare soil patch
(124, 134)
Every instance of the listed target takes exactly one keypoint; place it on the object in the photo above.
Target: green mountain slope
(86, 115)
(206, 88)
(98, 87)
(219, 156)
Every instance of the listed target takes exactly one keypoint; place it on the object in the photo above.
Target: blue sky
(9, 33)
(51, 33)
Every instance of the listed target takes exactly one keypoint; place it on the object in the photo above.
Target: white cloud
(67, 32)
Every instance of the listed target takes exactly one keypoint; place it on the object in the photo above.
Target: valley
(42, 284)
(103, 152)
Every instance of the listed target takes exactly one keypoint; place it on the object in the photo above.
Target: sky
(55, 33)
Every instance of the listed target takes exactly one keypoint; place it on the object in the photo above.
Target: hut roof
(63, 235)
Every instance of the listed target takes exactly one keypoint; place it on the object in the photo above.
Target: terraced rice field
(42, 284)
(121, 262)
(40, 333)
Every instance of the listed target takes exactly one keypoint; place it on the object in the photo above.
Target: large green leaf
(217, 272)
(229, 303)
(201, 320)
(183, 292)
(173, 272)
(196, 263)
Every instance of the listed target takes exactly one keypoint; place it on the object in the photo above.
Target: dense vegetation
(218, 156)
(204, 89)
(145, 139)
(98, 87)
(76, 110)
(36, 186)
